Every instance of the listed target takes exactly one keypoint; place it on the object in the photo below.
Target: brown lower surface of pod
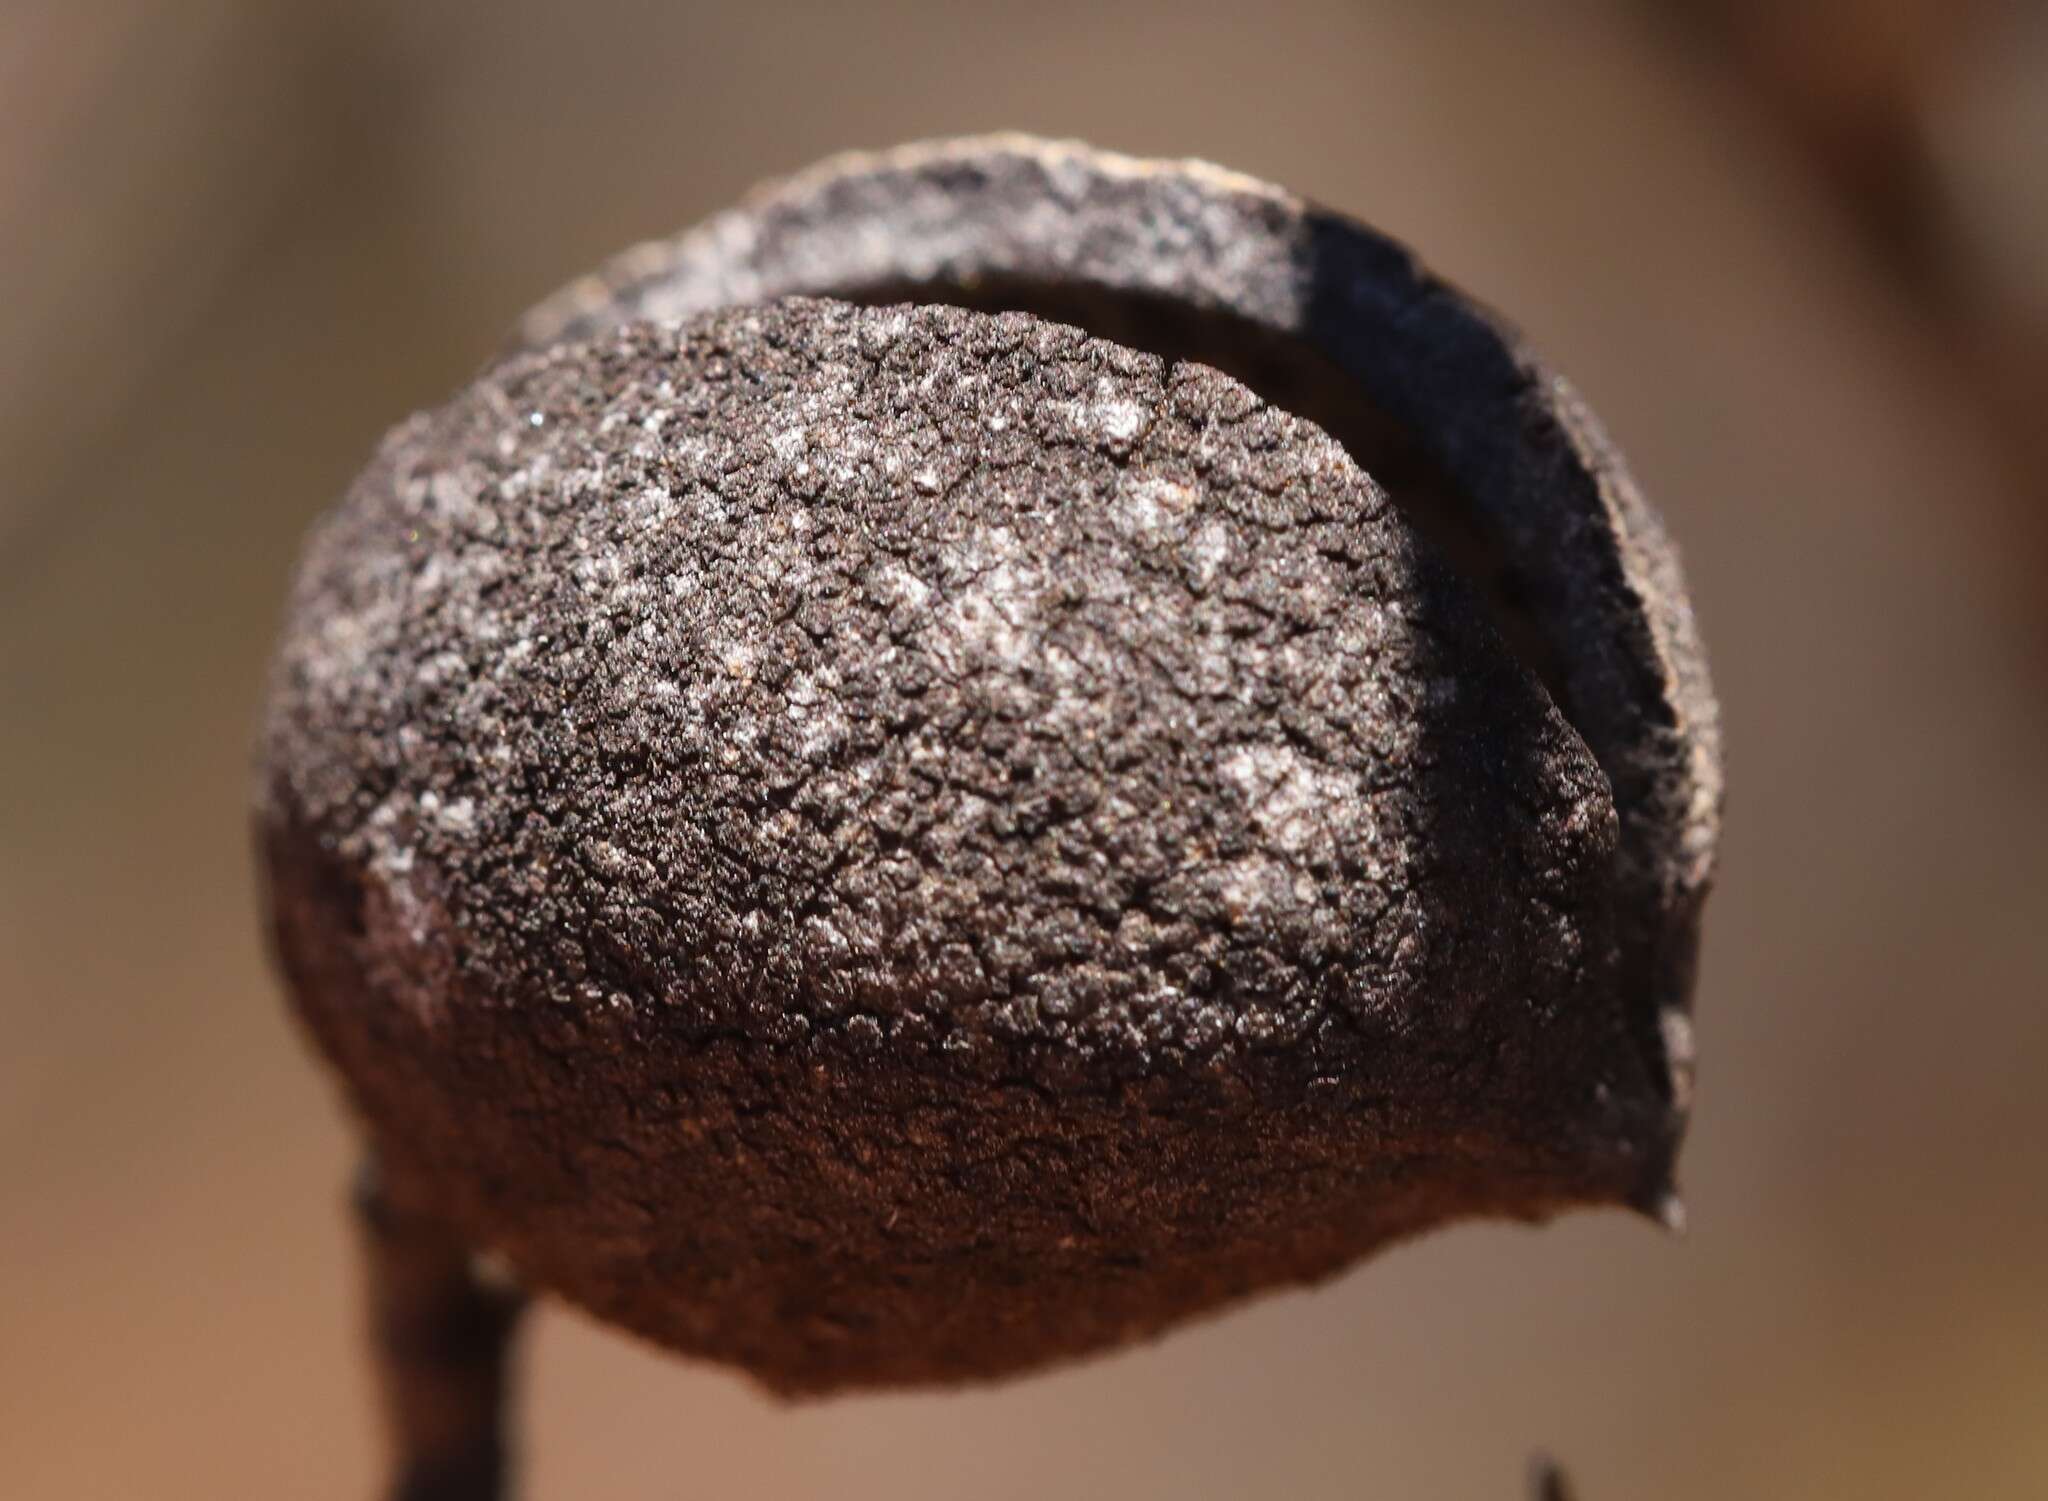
(889, 844)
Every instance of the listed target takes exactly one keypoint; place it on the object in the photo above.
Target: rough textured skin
(897, 844)
(996, 220)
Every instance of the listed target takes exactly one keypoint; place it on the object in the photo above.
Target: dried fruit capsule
(893, 843)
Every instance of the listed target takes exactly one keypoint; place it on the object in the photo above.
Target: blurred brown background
(1797, 254)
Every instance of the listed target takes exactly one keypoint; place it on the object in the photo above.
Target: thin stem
(441, 1336)
(1547, 1481)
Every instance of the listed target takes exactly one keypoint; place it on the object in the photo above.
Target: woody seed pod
(858, 829)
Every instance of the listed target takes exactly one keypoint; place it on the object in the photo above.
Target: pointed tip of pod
(1659, 1200)
(1669, 1211)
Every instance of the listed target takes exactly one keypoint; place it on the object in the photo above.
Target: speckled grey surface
(1014, 221)
(891, 845)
